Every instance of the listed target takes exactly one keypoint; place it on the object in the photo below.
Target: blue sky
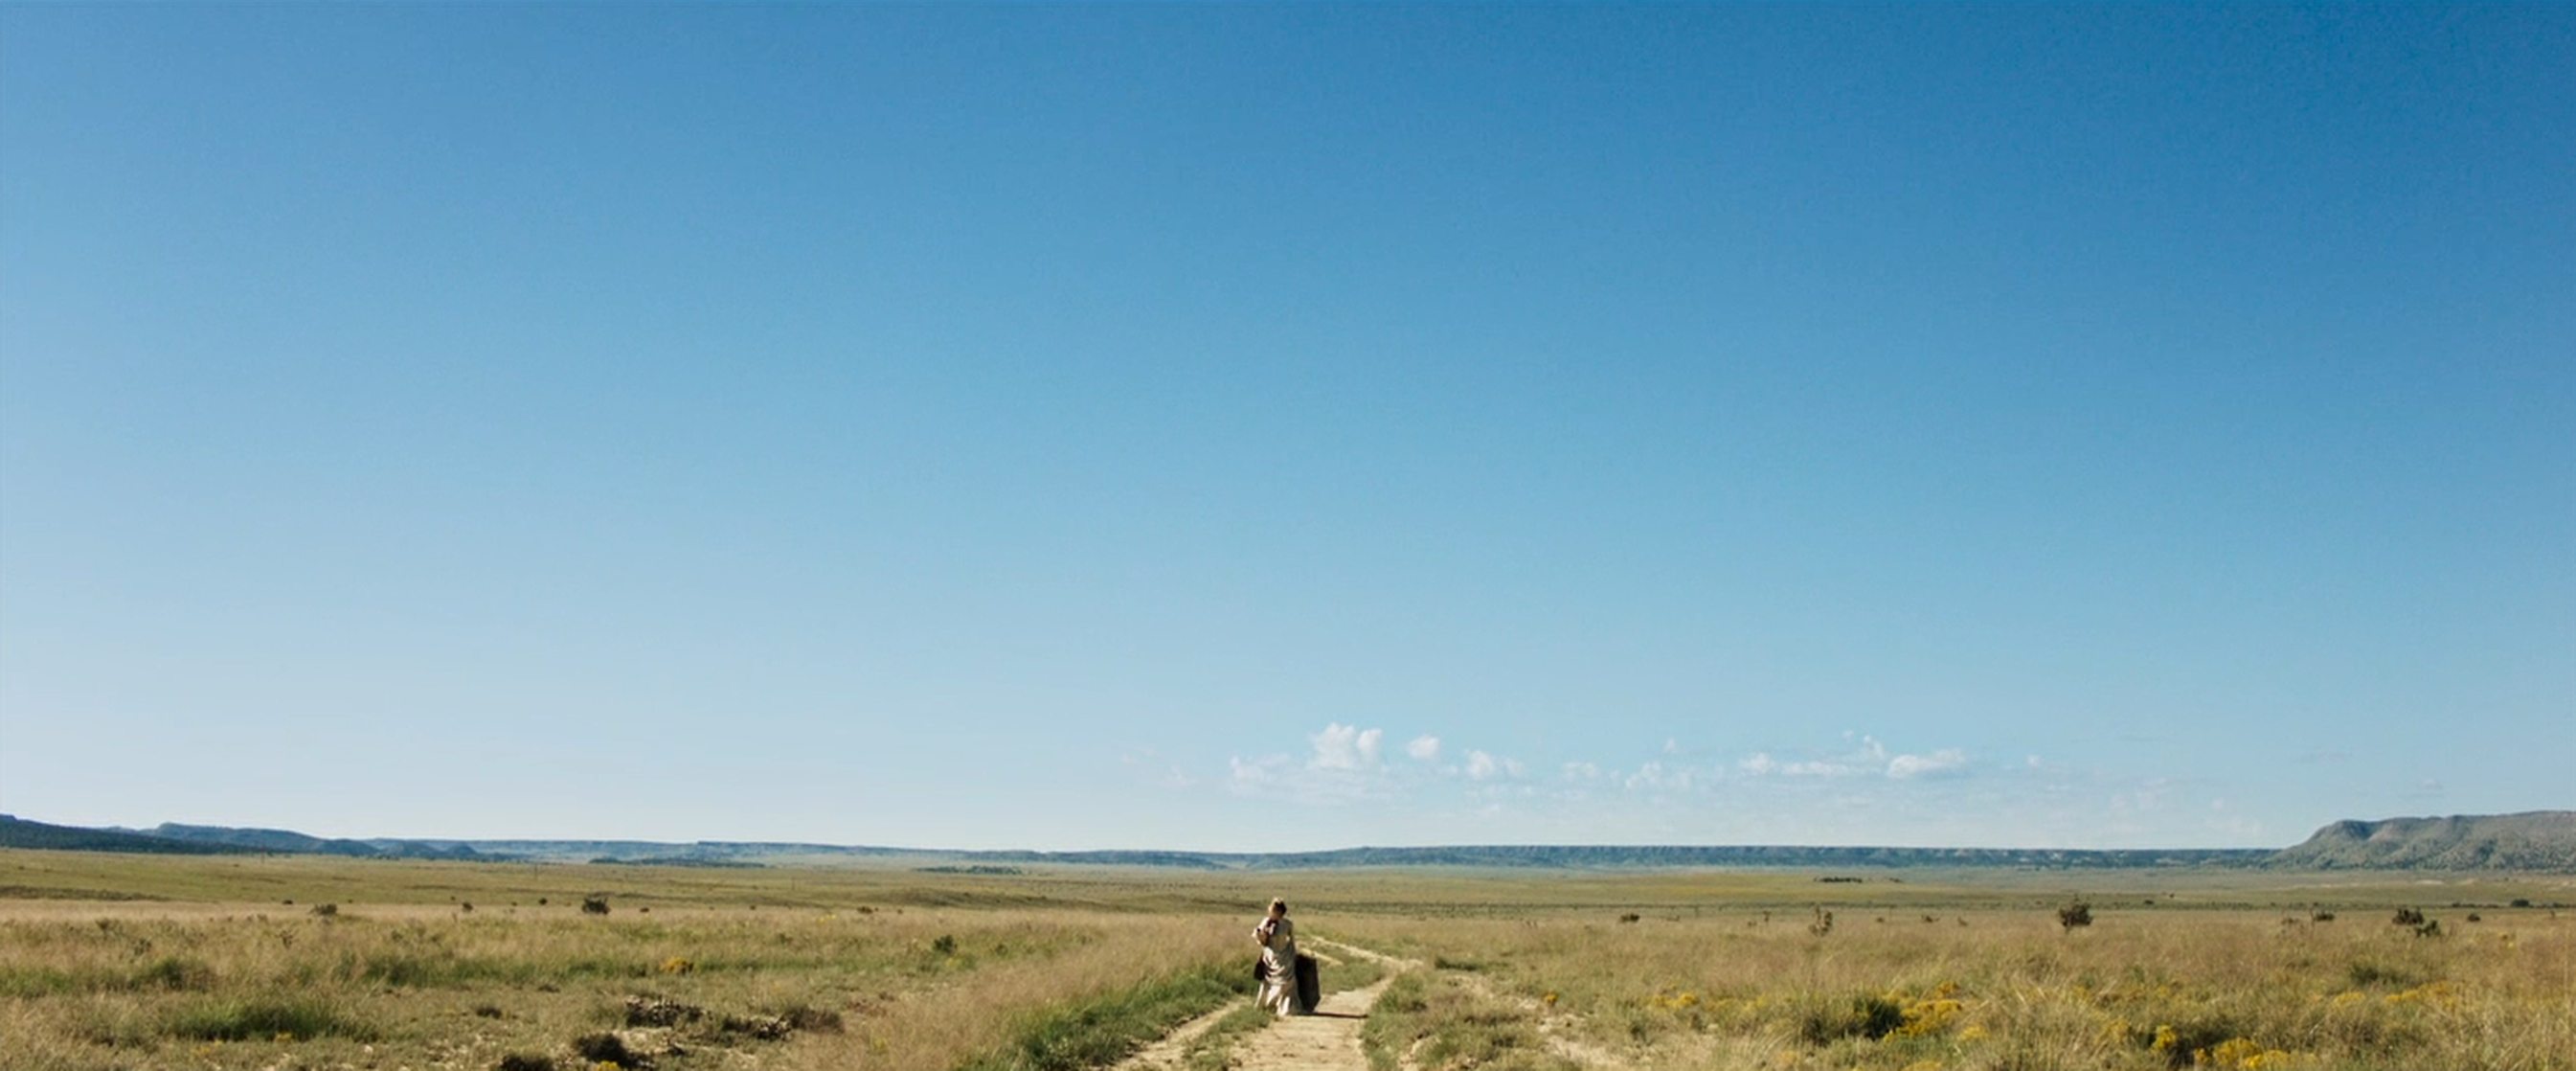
(1253, 427)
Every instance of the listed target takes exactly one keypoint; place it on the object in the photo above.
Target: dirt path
(1328, 1040)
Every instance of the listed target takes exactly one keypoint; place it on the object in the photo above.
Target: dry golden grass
(390, 985)
(123, 962)
(1989, 989)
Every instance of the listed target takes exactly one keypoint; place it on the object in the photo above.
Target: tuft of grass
(178, 974)
(245, 1020)
(2374, 974)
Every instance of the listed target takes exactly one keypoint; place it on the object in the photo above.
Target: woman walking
(1278, 939)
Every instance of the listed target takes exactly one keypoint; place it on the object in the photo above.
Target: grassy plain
(110, 961)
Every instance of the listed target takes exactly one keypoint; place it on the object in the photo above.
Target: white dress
(1279, 967)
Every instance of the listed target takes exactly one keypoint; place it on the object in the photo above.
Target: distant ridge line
(2543, 841)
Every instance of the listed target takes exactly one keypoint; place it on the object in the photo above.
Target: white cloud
(1345, 747)
(1483, 766)
(1653, 775)
(1346, 765)
(1947, 761)
(1582, 771)
(1424, 748)
(1763, 765)
(1257, 775)
(1867, 757)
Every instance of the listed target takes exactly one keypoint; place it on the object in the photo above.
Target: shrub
(2406, 916)
(2321, 916)
(594, 905)
(1871, 1017)
(606, 1048)
(2188, 1042)
(2075, 914)
(521, 1061)
(326, 910)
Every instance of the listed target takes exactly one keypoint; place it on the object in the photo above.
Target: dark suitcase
(1310, 983)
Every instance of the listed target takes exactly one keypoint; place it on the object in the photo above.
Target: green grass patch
(1444, 1023)
(1350, 974)
(292, 1020)
(1392, 1025)
(1103, 1029)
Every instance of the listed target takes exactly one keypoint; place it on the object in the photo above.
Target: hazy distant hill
(1581, 856)
(2538, 841)
(292, 843)
(2534, 840)
(17, 832)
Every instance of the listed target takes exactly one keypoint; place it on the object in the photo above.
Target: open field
(116, 961)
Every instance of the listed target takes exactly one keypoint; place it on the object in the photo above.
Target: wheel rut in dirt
(1328, 1040)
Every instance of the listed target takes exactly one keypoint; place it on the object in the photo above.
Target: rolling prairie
(119, 961)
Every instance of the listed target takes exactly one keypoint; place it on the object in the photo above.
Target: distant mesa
(171, 838)
(2537, 841)
(17, 832)
(2531, 841)
(288, 842)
